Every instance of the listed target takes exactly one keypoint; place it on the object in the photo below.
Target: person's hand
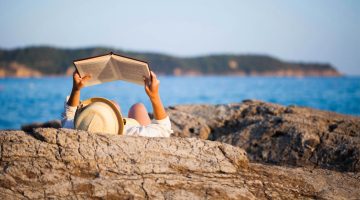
(152, 86)
(79, 82)
(152, 90)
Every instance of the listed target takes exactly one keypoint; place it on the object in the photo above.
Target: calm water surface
(42, 99)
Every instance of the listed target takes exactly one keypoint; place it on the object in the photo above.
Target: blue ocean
(27, 100)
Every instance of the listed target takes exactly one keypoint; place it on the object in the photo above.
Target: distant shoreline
(201, 75)
(50, 61)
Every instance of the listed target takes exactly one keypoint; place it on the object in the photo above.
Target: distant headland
(50, 61)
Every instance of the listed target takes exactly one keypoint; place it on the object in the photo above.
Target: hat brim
(116, 110)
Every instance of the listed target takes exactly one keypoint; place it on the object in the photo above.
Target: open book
(112, 67)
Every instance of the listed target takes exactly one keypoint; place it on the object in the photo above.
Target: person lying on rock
(100, 115)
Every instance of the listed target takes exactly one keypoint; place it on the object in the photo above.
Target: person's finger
(153, 75)
(147, 89)
(155, 81)
(146, 80)
(85, 78)
(145, 83)
(76, 77)
(87, 75)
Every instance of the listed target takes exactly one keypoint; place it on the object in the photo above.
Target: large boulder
(270, 133)
(276, 134)
(69, 164)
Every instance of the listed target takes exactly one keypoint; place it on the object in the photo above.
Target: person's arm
(78, 83)
(72, 102)
(152, 90)
(161, 126)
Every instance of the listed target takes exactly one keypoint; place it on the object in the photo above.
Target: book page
(129, 69)
(98, 68)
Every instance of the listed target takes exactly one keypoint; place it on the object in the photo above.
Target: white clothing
(158, 128)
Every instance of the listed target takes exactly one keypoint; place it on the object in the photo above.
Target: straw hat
(99, 115)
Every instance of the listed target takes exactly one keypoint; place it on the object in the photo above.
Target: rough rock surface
(276, 134)
(61, 163)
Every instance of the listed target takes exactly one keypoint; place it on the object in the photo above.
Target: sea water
(27, 100)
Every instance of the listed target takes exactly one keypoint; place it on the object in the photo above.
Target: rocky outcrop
(276, 134)
(276, 152)
(68, 164)
(270, 133)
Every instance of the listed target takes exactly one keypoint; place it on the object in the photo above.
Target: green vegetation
(55, 61)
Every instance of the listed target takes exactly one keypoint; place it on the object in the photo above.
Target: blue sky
(299, 30)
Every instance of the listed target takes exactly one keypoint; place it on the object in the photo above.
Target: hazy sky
(302, 30)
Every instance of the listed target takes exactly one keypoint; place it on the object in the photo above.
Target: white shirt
(158, 128)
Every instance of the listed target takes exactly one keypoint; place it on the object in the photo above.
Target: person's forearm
(74, 98)
(158, 108)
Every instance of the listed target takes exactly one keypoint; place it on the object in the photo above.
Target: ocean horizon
(40, 99)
